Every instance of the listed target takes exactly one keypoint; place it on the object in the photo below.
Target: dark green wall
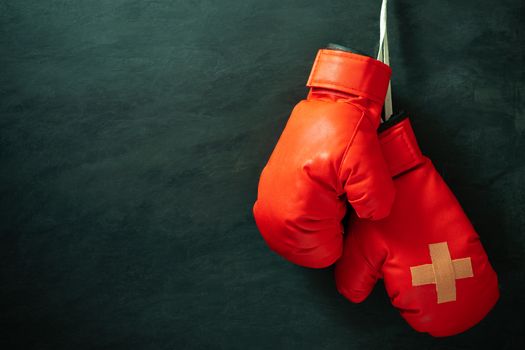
(132, 134)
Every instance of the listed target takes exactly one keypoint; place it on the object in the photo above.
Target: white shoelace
(383, 55)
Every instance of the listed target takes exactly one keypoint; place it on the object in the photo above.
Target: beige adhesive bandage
(443, 272)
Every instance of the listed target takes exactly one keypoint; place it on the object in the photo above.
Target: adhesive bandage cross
(443, 272)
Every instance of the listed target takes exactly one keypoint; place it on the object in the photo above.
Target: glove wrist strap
(400, 148)
(350, 73)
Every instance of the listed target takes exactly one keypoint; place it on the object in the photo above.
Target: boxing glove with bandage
(434, 267)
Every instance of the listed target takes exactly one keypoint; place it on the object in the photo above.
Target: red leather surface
(425, 212)
(328, 154)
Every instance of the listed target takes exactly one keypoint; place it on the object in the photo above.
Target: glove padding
(328, 154)
(435, 269)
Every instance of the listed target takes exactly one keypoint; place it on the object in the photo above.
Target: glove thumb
(355, 275)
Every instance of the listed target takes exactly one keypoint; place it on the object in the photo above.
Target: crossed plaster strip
(443, 272)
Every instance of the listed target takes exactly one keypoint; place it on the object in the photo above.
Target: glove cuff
(350, 73)
(399, 146)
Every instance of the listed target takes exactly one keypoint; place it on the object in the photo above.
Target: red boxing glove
(433, 264)
(327, 154)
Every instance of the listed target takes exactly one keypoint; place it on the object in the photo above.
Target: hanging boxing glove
(328, 154)
(435, 269)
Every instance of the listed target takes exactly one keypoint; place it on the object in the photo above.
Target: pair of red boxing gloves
(408, 228)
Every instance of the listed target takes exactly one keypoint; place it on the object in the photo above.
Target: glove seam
(350, 142)
(365, 259)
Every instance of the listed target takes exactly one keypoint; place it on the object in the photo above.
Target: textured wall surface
(132, 135)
